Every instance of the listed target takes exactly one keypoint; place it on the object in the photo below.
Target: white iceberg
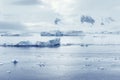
(50, 43)
(52, 33)
(23, 44)
(61, 33)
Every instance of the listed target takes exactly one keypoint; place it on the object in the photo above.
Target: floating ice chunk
(1, 63)
(84, 45)
(99, 60)
(86, 58)
(8, 72)
(14, 62)
(101, 68)
(115, 58)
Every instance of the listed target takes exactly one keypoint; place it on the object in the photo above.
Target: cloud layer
(37, 12)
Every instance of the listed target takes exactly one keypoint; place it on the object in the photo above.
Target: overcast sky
(37, 15)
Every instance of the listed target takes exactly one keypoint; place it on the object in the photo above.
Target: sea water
(74, 62)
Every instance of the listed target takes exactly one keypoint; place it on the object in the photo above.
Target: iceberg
(50, 43)
(24, 44)
(52, 33)
(61, 33)
(54, 43)
(74, 33)
(14, 34)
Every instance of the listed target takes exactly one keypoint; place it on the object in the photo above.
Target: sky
(39, 15)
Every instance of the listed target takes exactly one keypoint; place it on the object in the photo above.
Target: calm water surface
(63, 63)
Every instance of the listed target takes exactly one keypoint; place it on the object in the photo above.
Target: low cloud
(27, 2)
(12, 26)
